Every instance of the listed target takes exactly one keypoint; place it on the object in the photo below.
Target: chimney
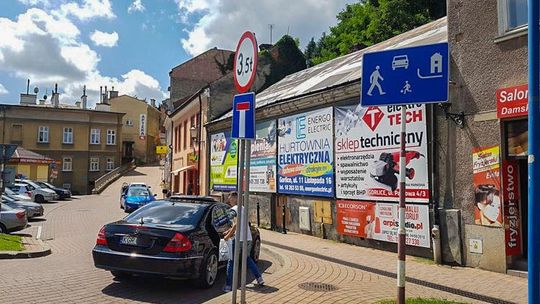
(153, 102)
(56, 97)
(113, 93)
(78, 104)
(28, 99)
(84, 98)
(106, 96)
(100, 94)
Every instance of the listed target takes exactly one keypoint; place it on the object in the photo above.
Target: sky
(133, 44)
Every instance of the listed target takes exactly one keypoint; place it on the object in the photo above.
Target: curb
(44, 250)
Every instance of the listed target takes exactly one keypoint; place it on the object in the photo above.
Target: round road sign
(245, 62)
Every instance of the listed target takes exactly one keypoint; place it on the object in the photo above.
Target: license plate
(128, 240)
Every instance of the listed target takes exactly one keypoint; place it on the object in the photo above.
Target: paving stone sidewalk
(322, 271)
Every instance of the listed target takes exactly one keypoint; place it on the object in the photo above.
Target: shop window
(68, 136)
(95, 135)
(67, 164)
(512, 15)
(516, 138)
(43, 134)
(94, 164)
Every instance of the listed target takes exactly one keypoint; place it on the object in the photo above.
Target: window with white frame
(95, 135)
(67, 164)
(94, 164)
(512, 15)
(111, 137)
(110, 164)
(43, 134)
(68, 136)
(129, 122)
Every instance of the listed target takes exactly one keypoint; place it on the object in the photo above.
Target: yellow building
(141, 126)
(28, 164)
(85, 143)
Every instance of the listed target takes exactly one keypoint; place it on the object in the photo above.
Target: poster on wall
(263, 158)
(367, 153)
(223, 162)
(512, 203)
(487, 186)
(305, 154)
(379, 221)
(142, 126)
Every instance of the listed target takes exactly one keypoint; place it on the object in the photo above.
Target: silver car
(32, 209)
(12, 219)
(16, 196)
(39, 194)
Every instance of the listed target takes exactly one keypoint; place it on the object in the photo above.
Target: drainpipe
(199, 139)
(435, 231)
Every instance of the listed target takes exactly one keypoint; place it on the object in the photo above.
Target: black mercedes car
(176, 238)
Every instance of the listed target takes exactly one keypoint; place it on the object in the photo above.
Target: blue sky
(133, 44)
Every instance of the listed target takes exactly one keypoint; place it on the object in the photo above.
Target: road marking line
(38, 236)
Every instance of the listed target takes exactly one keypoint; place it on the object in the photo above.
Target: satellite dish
(45, 97)
(36, 90)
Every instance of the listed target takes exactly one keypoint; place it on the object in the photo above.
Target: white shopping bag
(223, 250)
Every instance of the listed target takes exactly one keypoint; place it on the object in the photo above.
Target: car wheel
(256, 250)
(39, 199)
(119, 275)
(3, 229)
(209, 270)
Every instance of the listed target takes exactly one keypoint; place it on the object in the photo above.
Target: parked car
(177, 238)
(39, 194)
(135, 197)
(16, 196)
(32, 209)
(22, 190)
(12, 219)
(61, 192)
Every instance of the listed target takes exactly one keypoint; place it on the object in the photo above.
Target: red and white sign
(245, 62)
(379, 221)
(513, 101)
(511, 202)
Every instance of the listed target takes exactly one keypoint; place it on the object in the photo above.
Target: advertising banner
(305, 154)
(263, 158)
(367, 153)
(379, 221)
(223, 162)
(512, 203)
(513, 101)
(142, 126)
(487, 186)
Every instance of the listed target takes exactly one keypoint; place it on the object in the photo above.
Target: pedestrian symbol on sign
(374, 80)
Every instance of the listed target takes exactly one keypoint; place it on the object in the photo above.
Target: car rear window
(163, 212)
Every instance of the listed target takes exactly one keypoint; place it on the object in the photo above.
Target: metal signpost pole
(402, 232)
(245, 223)
(534, 151)
(239, 218)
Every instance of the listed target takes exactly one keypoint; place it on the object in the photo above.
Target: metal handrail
(106, 179)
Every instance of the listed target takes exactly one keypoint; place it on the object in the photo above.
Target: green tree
(369, 22)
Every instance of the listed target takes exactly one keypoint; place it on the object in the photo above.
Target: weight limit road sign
(243, 122)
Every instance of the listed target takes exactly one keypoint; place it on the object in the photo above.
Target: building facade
(84, 143)
(141, 128)
(484, 210)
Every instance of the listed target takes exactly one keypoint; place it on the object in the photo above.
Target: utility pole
(271, 26)
(534, 151)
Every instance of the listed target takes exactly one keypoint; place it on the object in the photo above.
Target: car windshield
(139, 191)
(164, 212)
(5, 207)
(33, 184)
(9, 191)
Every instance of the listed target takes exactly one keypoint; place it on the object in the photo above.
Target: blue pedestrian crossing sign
(243, 121)
(405, 76)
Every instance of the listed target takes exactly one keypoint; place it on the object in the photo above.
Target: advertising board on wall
(487, 186)
(263, 158)
(367, 153)
(379, 221)
(223, 162)
(142, 126)
(512, 203)
(513, 101)
(305, 153)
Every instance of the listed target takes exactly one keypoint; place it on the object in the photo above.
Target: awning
(175, 172)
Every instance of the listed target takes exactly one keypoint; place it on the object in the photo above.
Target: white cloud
(88, 10)
(48, 49)
(3, 90)
(224, 21)
(35, 2)
(104, 39)
(136, 6)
